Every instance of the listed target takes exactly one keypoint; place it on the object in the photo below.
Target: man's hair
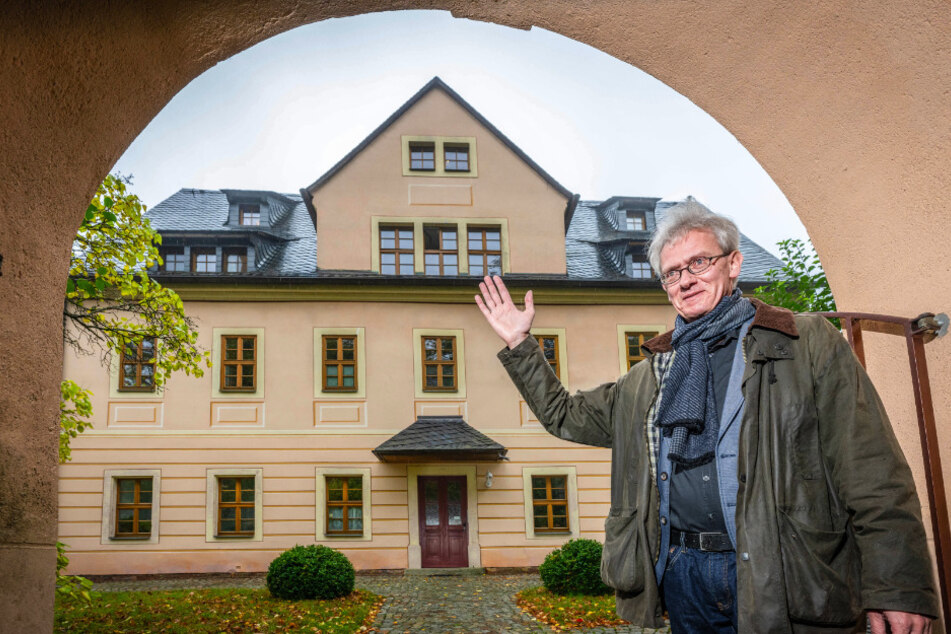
(684, 217)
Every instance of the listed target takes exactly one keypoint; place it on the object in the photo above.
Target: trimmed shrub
(575, 568)
(310, 572)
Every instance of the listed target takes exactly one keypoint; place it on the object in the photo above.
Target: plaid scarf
(687, 410)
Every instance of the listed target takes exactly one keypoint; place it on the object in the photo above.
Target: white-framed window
(426, 245)
(439, 362)
(340, 363)
(439, 156)
(234, 504)
(241, 374)
(344, 504)
(630, 337)
(551, 502)
(130, 506)
(554, 346)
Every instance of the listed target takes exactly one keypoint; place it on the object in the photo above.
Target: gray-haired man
(756, 484)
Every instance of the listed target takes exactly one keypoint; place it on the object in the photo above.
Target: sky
(278, 115)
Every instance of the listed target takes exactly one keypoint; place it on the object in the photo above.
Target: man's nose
(687, 279)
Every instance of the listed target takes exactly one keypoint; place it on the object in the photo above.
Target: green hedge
(310, 572)
(575, 568)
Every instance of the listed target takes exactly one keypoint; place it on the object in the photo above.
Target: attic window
(236, 260)
(422, 157)
(204, 260)
(249, 215)
(638, 267)
(457, 157)
(635, 221)
(173, 259)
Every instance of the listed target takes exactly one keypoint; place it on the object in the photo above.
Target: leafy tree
(112, 304)
(800, 285)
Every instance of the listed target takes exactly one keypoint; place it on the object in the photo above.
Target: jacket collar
(769, 317)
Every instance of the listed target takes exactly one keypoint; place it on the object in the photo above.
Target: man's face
(692, 295)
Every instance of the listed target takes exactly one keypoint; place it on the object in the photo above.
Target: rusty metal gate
(917, 332)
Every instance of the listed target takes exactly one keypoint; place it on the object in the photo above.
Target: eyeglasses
(697, 266)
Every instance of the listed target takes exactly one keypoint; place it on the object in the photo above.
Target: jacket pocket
(821, 570)
(620, 566)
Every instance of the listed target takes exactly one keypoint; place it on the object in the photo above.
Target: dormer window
(204, 260)
(635, 221)
(422, 157)
(457, 157)
(173, 259)
(638, 267)
(236, 260)
(249, 215)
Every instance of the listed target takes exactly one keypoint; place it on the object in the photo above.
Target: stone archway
(845, 105)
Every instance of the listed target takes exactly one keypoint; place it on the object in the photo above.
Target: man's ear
(736, 263)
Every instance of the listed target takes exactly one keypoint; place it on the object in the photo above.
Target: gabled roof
(436, 84)
(439, 438)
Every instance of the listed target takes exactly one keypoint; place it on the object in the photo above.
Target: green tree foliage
(111, 304)
(75, 409)
(800, 285)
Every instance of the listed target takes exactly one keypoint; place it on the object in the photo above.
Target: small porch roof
(442, 438)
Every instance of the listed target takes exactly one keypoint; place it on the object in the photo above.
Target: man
(756, 485)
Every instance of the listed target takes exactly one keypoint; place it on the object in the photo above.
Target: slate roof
(286, 248)
(440, 436)
(595, 246)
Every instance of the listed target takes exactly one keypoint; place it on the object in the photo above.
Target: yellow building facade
(355, 399)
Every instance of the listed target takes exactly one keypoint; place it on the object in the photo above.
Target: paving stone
(482, 604)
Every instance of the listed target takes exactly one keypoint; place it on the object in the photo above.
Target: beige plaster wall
(373, 185)
(844, 103)
(185, 438)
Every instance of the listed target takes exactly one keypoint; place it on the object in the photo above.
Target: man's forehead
(695, 242)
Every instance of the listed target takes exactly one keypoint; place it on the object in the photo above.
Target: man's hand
(898, 622)
(508, 322)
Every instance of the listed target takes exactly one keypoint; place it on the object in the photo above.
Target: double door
(443, 522)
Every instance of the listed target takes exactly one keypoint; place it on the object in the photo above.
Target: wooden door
(443, 522)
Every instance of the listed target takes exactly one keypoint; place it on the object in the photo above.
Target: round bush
(310, 572)
(575, 568)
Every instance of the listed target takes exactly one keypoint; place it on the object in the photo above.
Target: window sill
(130, 538)
(248, 536)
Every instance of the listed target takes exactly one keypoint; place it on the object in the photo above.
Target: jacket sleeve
(869, 472)
(584, 418)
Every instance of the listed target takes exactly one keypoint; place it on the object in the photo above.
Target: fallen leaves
(227, 611)
(569, 611)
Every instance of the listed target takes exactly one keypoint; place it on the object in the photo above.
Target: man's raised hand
(508, 322)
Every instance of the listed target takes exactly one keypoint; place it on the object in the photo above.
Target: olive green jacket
(828, 521)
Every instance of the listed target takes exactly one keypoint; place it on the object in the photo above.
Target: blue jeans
(699, 590)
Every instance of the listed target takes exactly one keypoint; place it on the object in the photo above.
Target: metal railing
(917, 332)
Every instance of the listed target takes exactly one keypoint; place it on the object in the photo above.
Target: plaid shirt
(660, 364)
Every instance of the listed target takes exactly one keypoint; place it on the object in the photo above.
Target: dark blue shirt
(695, 493)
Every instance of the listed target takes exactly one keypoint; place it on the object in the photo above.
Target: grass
(569, 611)
(215, 611)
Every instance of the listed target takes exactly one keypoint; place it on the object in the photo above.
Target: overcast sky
(281, 113)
